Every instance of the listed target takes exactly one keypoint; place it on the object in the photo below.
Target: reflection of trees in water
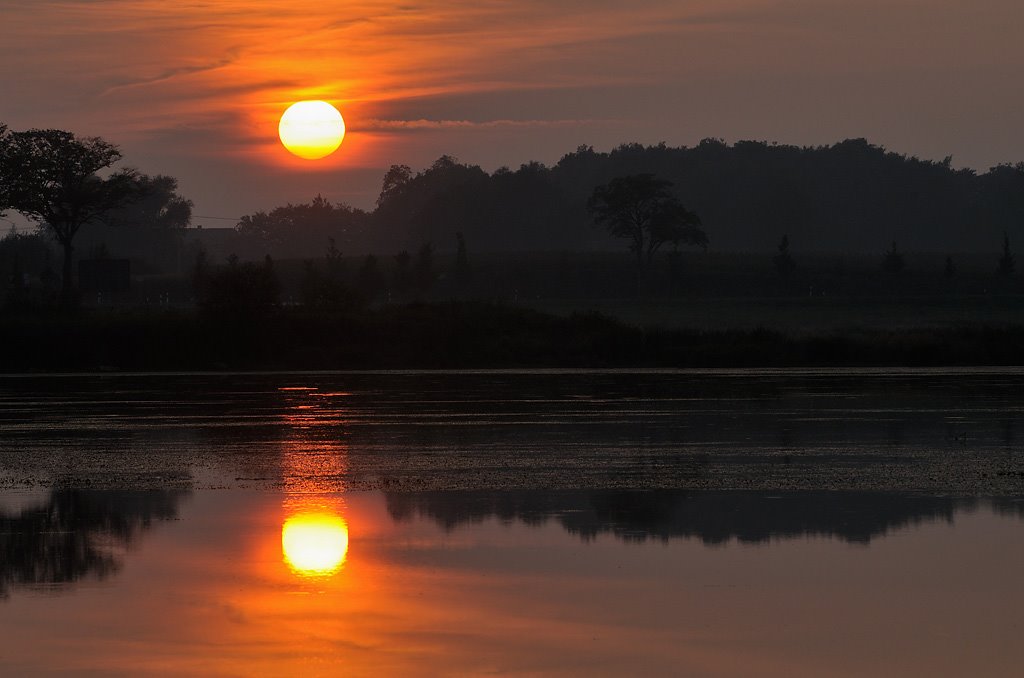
(712, 517)
(77, 534)
(1009, 506)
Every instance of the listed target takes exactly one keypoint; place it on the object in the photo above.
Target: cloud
(229, 58)
(474, 124)
(511, 81)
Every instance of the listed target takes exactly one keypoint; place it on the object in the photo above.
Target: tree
(643, 209)
(5, 197)
(328, 288)
(403, 271)
(784, 263)
(395, 180)
(446, 196)
(892, 262)
(292, 229)
(424, 270)
(462, 271)
(151, 227)
(50, 177)
(368, 279)
(73, 535)
(156, 204)
(1006, 262)
(238, 290)
(335, 262)
(23, 256)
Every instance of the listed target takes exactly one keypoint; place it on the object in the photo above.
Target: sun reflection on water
(314, 464)
(314, 544)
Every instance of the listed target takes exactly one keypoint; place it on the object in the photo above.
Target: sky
(195, 88)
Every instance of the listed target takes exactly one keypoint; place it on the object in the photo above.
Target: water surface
(602, 583)
(736, 523)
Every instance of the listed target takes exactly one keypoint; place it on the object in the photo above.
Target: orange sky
(194, 89)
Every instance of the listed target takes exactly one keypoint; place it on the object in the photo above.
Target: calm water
(707, 524)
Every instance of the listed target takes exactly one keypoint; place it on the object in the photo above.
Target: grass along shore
(463, 335)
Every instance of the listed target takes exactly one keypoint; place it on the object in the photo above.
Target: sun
(314, 544)
(311, 129)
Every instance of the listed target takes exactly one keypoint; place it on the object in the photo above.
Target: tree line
(851, 196)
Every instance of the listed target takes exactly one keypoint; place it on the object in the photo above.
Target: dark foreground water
(706, 524)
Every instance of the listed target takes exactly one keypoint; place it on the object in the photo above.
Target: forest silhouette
(851, 196)
(714, 517)
(458, 267)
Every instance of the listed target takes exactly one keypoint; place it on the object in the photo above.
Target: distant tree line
(851, 197)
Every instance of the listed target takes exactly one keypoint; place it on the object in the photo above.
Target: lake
(705, 523)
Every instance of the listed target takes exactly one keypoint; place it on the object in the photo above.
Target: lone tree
(643, 209)
(50, 177)
(1007, 261)
(783, 261)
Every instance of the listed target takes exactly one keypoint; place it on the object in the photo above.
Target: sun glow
(311, 129)
(314, 544)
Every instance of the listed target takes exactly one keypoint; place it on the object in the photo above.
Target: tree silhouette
(461, 259)
(334, 260)
(712, 517)
(403, 271)
(642, 208)
(77, 534)
(156, 204)
(783, 261)
(431, 204)
(1007, 261)
(51, 178)
(298, 228)
(369, 277)
(328, 288)
(395, 180)
(892, 262)
(425, 267)
(239, 289)
(5, 190)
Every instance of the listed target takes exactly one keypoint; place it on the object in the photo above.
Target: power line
(200, 216)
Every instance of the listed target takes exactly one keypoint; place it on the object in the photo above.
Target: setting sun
(314, 544)
(311, 129)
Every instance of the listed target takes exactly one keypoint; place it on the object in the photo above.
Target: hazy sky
(195, 88)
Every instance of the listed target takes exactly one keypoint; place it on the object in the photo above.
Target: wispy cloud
(209, 77)
(179, 71)
(476, 124)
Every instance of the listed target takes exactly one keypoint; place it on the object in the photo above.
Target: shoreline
(466, 336)
(838, 371)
